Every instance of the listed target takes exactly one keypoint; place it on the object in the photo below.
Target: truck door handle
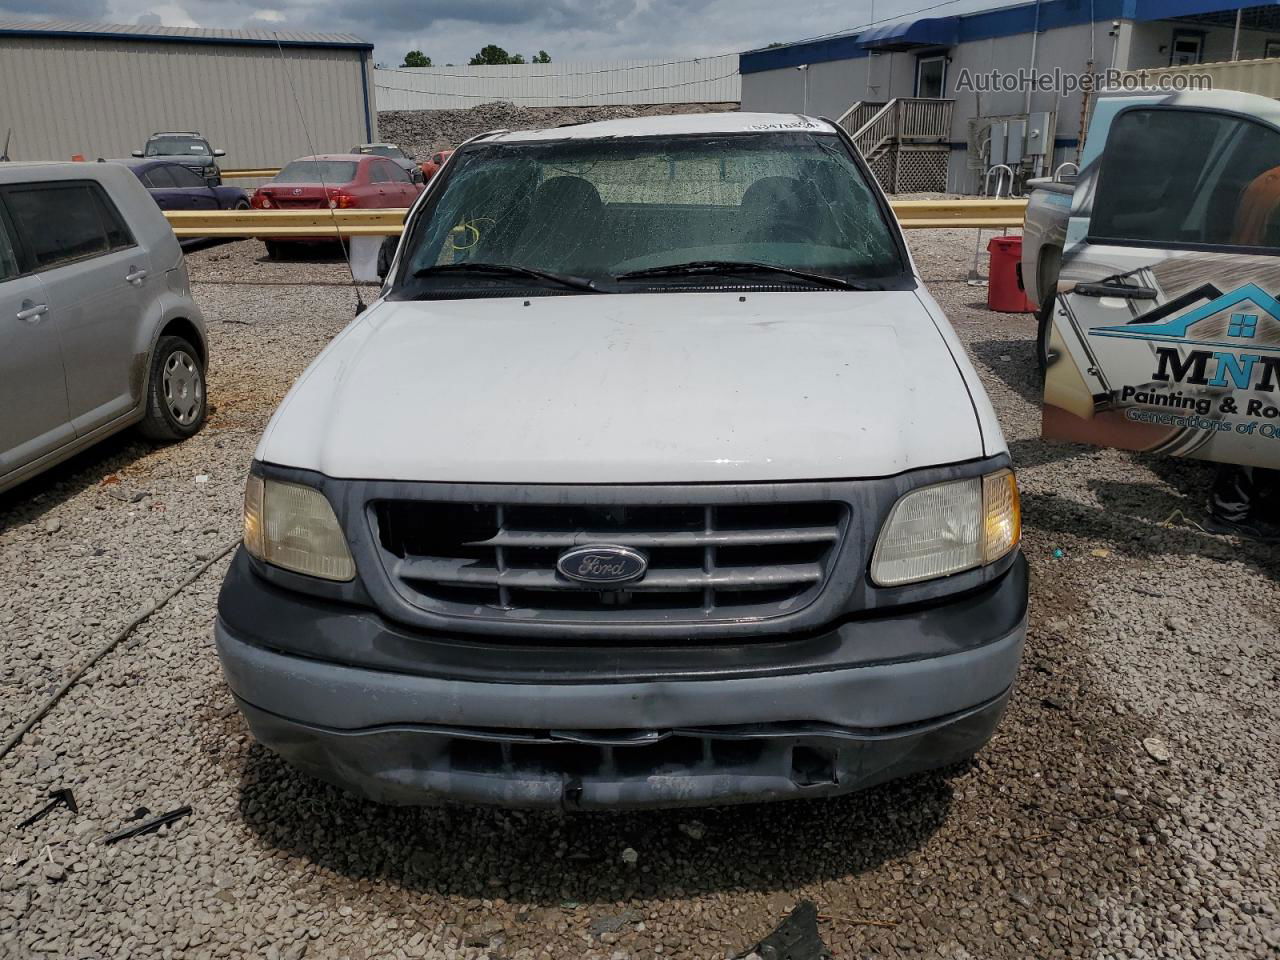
(1114, 290)
(136, 276)
(32, 311)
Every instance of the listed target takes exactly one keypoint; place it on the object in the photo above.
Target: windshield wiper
(697, 267)
(511, 270)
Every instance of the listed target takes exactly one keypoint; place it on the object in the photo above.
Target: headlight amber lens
(1003, 510)
(946, 528)
(293, 526)
(253, 518)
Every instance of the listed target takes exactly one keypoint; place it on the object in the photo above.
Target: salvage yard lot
(1129, 805)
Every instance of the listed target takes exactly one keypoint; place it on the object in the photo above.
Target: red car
(340, 181)
(431, 166)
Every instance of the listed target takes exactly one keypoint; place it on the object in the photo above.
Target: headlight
(948, 527)
(292, 526)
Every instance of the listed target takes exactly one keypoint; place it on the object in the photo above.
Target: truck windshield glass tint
(317, 171)
(600, 208)
(1188, 178)
(176, 147)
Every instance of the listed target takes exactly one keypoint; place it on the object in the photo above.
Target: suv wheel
(276, 250)
(176, 403)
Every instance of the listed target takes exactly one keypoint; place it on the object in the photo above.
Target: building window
(1187, 47)
(1272, 49)
(1243, 325)
(931, 77)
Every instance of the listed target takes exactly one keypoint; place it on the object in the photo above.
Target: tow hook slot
(811, 767)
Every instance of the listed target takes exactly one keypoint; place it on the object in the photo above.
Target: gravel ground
(1127, 807)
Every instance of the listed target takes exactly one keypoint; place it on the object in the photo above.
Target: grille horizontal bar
(668, 538)
(737, 578)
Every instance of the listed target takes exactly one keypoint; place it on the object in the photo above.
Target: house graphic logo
(1247, 318)
(1231, 341)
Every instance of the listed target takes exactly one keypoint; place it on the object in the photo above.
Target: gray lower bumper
(402, 738)
(607, 770)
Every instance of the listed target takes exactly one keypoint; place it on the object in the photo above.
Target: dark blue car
(177, 187)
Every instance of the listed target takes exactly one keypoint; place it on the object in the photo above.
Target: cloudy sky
(450, 31)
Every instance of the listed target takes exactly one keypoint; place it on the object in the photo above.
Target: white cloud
(450, 31)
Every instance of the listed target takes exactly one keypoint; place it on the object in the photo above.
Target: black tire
(176, 404)
(242, 205)
(1044, 320)
(277, 250)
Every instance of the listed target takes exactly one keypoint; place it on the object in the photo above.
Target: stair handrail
(926, 118)
(877, 131)
(843, 119)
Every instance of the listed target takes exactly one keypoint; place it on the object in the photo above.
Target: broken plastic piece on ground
(1058, 553)
(795, 938)
(60, 796)
(148, 826)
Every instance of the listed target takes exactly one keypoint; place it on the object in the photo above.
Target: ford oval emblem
(602, 563)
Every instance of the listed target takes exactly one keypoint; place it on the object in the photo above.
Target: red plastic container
(1003, 292)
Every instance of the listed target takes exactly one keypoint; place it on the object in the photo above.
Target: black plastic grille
(705, 562)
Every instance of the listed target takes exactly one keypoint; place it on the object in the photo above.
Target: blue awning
(908, 34)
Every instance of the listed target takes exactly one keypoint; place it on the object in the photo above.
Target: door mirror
(219, 153)
(387, 253)
(137, 153)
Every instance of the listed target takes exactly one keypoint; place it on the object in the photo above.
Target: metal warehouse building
(100, 90)
(912, 91)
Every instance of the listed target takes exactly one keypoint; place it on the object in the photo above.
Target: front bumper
(611, 728)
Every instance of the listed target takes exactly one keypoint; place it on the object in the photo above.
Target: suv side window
(63, 222)
(378, 172)
(1188, 178)
(399, 174)
(159, 177)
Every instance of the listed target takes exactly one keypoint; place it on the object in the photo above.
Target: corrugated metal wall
(103, 98)
(1251, 76)
(581, 83)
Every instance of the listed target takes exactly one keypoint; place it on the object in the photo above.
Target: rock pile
(421, 132)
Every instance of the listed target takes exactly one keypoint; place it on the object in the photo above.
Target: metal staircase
(904, 141)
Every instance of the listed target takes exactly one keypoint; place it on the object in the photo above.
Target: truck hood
(638, 388)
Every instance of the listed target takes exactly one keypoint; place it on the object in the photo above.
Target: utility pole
(804, 69)
(1235, 40)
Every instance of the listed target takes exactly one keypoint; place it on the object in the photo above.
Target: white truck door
(1166, 331)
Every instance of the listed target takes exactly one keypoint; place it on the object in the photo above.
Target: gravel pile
(1127, 807)
(422, 132)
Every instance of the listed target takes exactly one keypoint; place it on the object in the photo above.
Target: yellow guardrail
(912, 214)
(979, 212)
(249, 174)
(285, 223)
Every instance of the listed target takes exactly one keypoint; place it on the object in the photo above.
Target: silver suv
(98, 330)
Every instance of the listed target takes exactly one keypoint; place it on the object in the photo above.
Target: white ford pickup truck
(654, 476)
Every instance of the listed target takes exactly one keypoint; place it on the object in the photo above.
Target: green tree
(491, 56)
(542, 57)
(416, 58)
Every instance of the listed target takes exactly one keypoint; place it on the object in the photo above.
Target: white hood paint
(642, 388)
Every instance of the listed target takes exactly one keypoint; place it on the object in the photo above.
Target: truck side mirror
(219, 153)
(137, 153)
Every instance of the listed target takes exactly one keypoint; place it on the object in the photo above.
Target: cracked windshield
(604, 209)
